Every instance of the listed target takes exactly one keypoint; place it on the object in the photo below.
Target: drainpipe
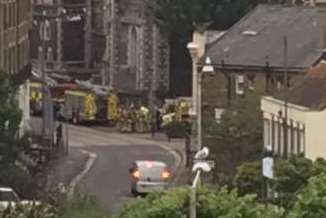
(229, 85)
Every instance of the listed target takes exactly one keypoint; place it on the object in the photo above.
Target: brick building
(15, 23)
(303, 130)
(250, 55)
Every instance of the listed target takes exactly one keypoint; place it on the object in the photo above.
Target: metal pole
(285, 128)
(17, 36)
(112, 45)
(199, 112)
(43, 73)
(193, 199)
(67, 132)
(88, 36)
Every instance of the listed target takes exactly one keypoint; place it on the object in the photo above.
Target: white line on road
(90, 162)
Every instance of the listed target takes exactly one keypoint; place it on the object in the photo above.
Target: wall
(14, 39)
(221, 88)
(136, 55)
(315, 134)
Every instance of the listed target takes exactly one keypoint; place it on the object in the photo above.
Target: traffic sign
(211, 163)
(268, 167)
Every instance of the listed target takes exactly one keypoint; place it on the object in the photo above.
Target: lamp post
(208, 68)
(193, 49)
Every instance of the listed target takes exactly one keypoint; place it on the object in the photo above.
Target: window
(218, 114)
(49, 55)
(5, 16)
(251, 81)
(295, 140)
(267, 132)
(41, 30)
(272, 142)
(279, 82)
(301, 140)
(40, 53)
(47, 30)
(239, 84)
(133, 48)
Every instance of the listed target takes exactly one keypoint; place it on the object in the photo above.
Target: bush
(30, 211)
(81, 207)
(311, 202)
(291, 176)
(211, 204)
(248, 178)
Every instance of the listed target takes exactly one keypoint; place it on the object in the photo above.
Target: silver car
(148, 176)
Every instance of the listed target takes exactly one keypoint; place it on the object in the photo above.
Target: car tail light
(166, 174)
(136, 174)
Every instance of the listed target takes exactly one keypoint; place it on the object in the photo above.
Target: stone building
(60, 28)
(15, 23)
(129, 50)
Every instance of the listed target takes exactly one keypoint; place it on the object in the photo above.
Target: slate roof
(270, 23)
(311, 90)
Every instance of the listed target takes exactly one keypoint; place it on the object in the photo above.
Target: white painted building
(306, 117)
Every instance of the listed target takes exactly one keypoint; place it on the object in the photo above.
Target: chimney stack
(321, 10)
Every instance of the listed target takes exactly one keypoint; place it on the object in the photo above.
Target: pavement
(65, 169)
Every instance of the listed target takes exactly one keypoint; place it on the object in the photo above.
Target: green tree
(211, 203)
(12, 144)
(248, 178)
(237, 138)
(177, 19)
(311, 202)
(291, 176)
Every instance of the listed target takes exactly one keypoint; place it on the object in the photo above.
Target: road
(108, 179)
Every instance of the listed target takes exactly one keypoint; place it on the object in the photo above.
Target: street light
(198, 167)
(207, 69)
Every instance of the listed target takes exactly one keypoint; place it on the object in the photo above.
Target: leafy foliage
(211, 203)
(78, 207)
(312, 201)
(178, 18)
(237, 138)
(248, 178)
(11, 143)
(29, 211)
(81, 207)
(291, 176)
